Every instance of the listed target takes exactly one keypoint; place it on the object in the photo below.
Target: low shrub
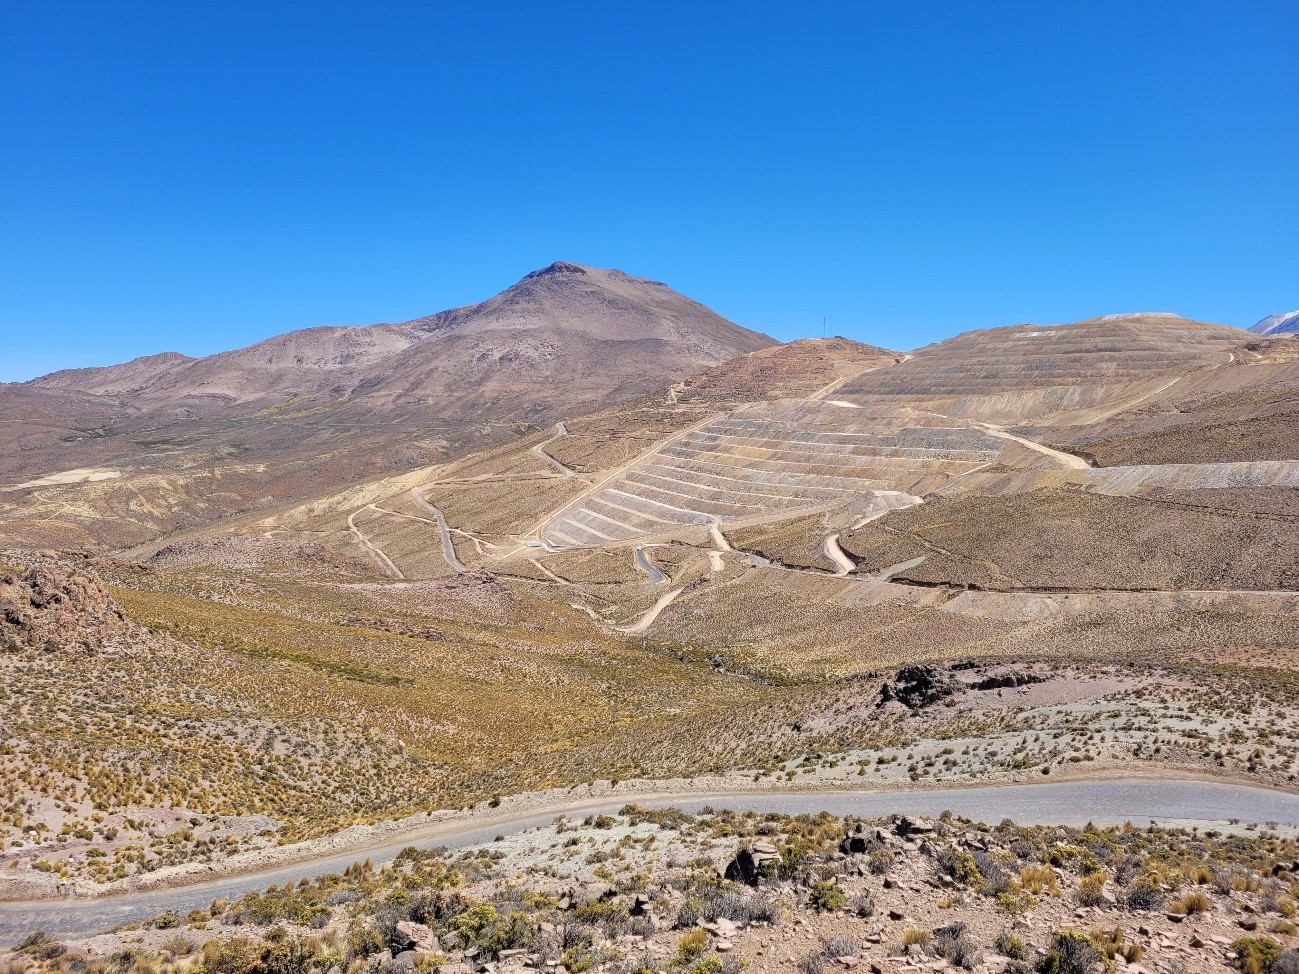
(1039, 879)
(955, 945)
(960, 865)
(1143, 894)
(862, 905)
(690, 946)
(1191, 904)
(827, 896)
(1091, 889)
(1254, 955)
(841, 947)
(1008, 945)
(1071, 953)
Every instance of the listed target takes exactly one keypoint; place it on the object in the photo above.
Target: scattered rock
(860, 840)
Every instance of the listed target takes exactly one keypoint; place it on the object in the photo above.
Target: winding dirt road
(644, 564)
(836, 555)
(448, 549)
(647, 620)
(374, 550)
(1104, 802)
(540, 451)
(1066, 460)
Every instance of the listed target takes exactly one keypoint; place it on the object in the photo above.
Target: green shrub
(690, 946)
(597, 912)
(362, 941)
(473, 922)
(1013, 903)
(1256, 954)
(1008, 945)
(826, 896)
(960, 865)
(1071, 953)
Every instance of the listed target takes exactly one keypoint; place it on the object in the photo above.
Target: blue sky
(197, 176)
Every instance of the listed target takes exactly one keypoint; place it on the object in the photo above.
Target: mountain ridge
(562, 299)
(1285, 323)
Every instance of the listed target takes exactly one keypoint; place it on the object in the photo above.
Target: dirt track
(540, 451)
(448, 549)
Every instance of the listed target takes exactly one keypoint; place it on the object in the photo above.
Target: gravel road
(1064, 803)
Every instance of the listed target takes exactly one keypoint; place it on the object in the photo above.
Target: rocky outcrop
(53, 609)
(861, 840)
(919, 686)
(1007, 680)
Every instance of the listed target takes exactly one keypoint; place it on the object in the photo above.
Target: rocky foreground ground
(664, 892)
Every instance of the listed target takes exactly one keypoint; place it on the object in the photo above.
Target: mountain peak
(1277, 324)
(557, 269)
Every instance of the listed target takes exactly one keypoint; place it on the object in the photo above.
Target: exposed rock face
(919, 686)
(1016, 679)
(53, 609)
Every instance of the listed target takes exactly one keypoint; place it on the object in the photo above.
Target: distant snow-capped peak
(1276, 324)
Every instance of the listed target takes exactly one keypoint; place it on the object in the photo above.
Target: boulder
(1014, 679)
(914, 826)
(409, 935)
(748, 865)
(861, 840)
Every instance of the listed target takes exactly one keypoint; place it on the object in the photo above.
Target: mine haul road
(1113, 801)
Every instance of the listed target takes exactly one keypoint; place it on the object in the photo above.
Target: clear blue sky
(196, 176)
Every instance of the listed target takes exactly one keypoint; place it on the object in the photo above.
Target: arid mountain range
(590, 532)
(194, 439)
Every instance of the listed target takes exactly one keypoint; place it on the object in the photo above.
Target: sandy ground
(82, 475)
